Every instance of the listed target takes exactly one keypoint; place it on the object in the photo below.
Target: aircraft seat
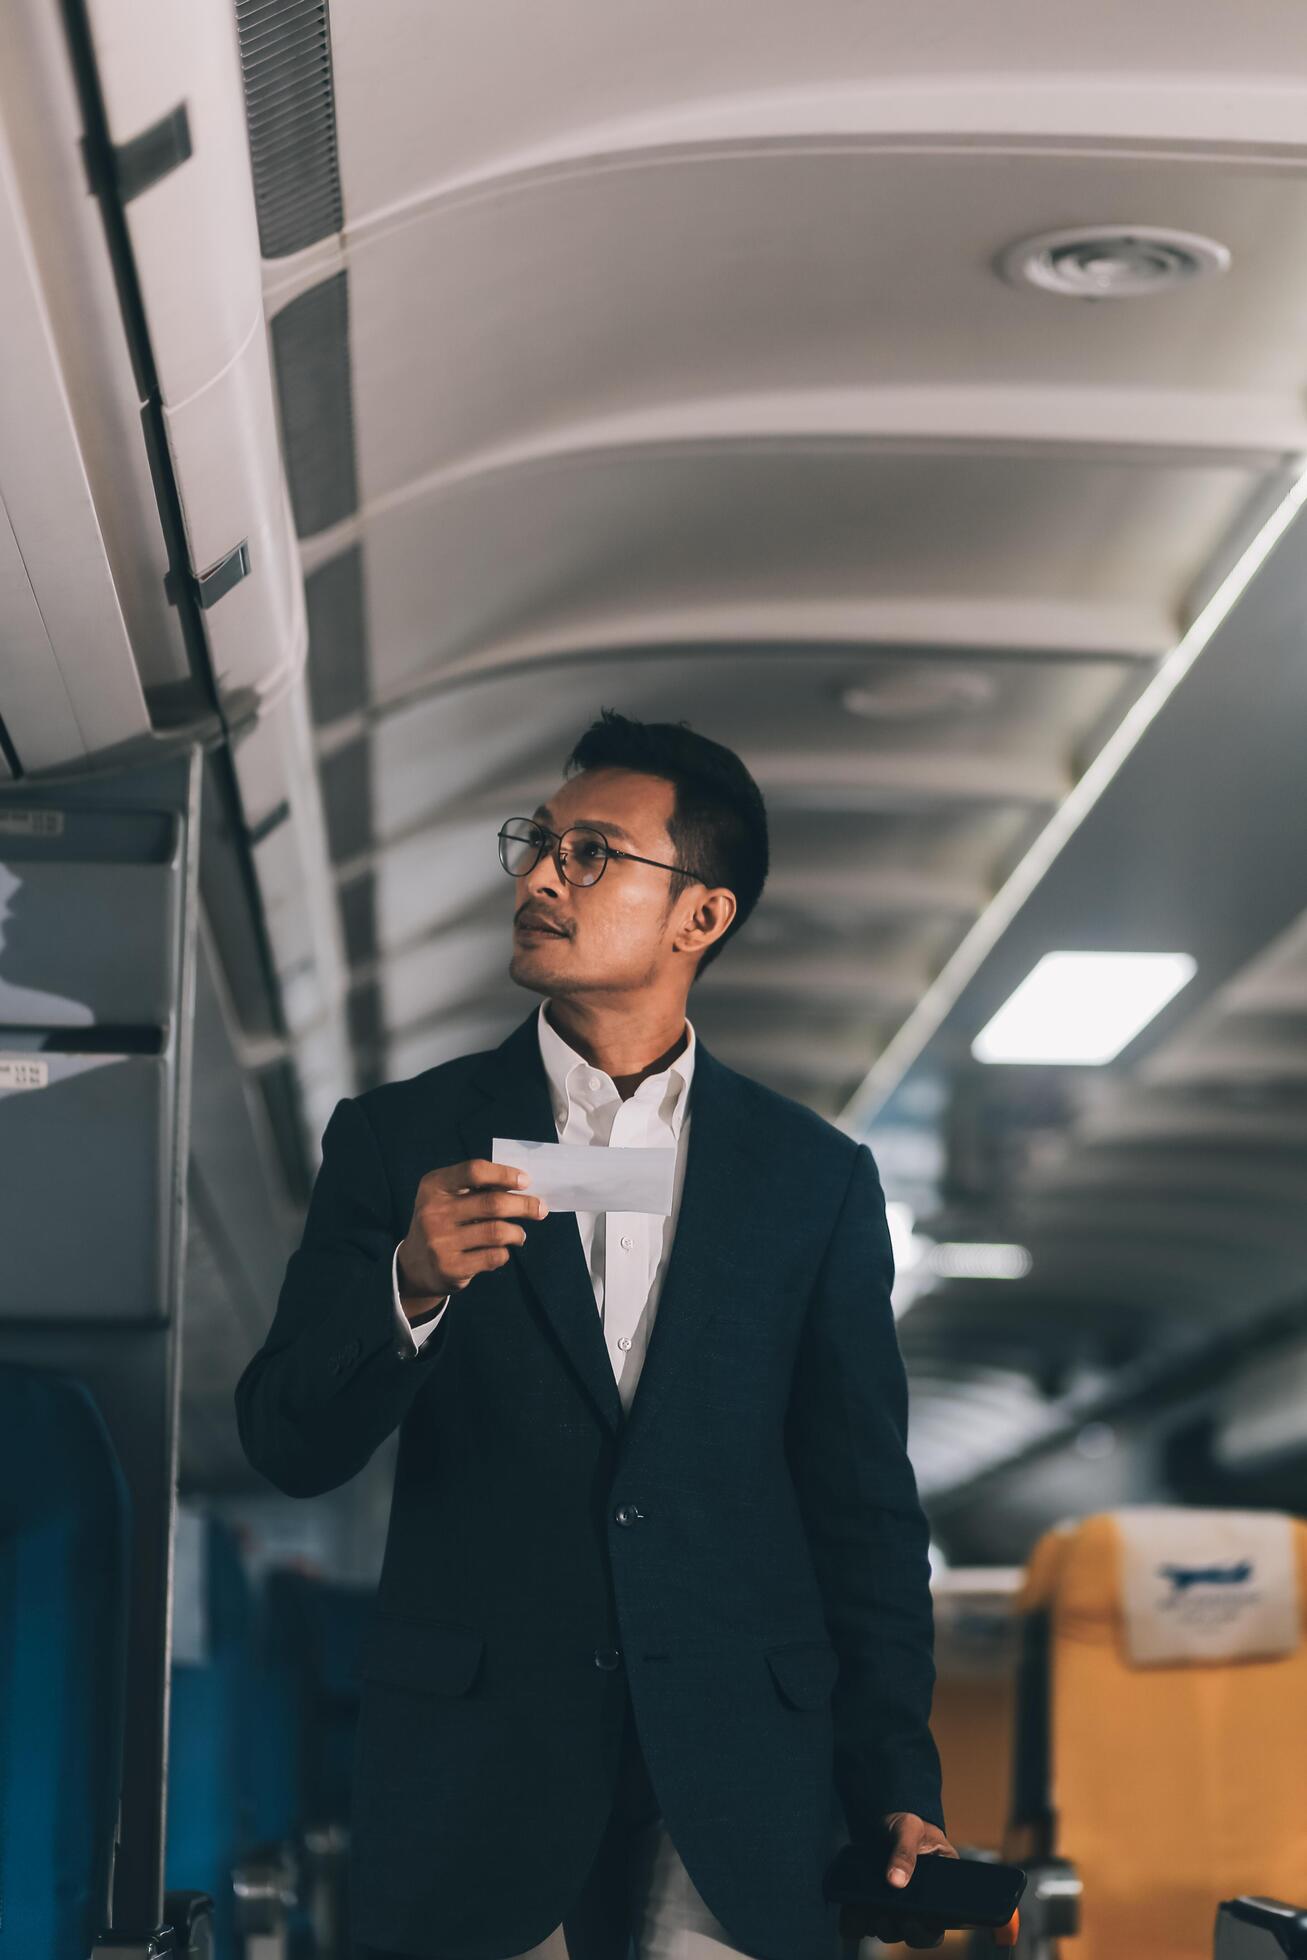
(64, 1539)
(278, 1761)
(226, 1779)
(209, 1716)
(339, 1615)
(313, 1637)
(974, 1707)
(1260, 1929)
(1162, 1726)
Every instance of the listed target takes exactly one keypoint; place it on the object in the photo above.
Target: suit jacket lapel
(708, 1273)
(510, 1098)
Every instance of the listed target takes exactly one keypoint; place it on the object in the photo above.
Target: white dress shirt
(626, 1252)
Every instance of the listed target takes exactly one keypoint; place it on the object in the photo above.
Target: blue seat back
(211, 1716)
(64, 1549)
(274, 1766)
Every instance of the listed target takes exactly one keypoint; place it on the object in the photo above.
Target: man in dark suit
(640, 1661)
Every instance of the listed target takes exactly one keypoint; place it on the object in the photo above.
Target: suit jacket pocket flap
(804, 1671)
(429, 1656)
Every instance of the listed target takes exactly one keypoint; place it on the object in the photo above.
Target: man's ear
(707, 921)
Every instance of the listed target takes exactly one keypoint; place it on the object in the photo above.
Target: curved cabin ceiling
(660, 359)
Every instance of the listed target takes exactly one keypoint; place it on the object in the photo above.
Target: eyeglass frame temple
(610, 850)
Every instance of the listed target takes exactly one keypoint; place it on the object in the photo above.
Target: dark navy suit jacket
(747, 1542)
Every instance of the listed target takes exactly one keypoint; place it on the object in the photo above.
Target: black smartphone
(954, 1891)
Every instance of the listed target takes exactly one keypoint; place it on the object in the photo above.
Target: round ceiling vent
(917, 689)
(1112, 261)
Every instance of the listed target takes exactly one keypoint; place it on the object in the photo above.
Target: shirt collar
(568, 1073)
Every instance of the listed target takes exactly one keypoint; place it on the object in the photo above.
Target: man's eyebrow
(542, 814)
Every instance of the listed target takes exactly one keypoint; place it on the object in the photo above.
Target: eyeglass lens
(584, 852)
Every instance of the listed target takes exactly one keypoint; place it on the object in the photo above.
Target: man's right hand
(464, 1221)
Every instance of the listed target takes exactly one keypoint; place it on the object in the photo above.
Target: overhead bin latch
(157, 151)
(218, 581)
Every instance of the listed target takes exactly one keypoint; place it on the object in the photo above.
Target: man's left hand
(911, 1837)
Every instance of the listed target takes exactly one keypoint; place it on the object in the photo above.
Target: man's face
(616, 935)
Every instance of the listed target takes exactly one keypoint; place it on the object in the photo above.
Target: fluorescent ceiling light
(955, 1259)
(931, 1010)
(1081, 1007)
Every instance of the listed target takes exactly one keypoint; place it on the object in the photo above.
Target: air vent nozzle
(1112, 261)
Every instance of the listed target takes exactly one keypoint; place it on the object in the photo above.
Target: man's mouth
(531, 928)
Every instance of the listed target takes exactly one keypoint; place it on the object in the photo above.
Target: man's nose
(543, 879)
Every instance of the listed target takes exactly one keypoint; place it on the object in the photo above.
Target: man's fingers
(473, 1205)
(478, 1174)
(911, 1837)
(466, 1217)
(902, 1864)
(499, 1227)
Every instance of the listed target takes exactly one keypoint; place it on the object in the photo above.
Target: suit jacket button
(627, 1513)
(608, 1657)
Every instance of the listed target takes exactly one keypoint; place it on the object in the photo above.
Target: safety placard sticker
(23, 1072)
(31, 823)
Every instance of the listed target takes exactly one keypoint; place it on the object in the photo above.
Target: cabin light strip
(967, 1259)
(929, 1013)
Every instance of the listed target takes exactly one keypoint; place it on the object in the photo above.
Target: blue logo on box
(1183, 1577)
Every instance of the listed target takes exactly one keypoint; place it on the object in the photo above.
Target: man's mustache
(537, 918)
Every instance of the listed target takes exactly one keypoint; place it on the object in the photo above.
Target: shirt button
(594, 1083)
(624, 1343)
(627, 1242)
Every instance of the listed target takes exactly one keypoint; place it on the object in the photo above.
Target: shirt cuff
(413, 1336)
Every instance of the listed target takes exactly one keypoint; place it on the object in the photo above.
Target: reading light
(909, 691)
(1081, 1007)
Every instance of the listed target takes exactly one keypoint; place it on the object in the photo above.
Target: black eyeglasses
(581, 853)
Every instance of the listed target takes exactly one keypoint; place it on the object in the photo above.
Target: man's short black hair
(719, 821)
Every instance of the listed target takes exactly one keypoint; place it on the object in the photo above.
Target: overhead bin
(69, 683)
(148, 100)
(85, 945)
(151, 592)
(84, 1229)
(97, 896)
(170, 78)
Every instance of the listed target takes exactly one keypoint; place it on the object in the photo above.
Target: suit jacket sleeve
(333, 1379)
(847, 1446)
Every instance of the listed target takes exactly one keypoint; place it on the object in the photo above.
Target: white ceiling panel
(473, 90)
(818, 294)
(638, 548)
(433, 825)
